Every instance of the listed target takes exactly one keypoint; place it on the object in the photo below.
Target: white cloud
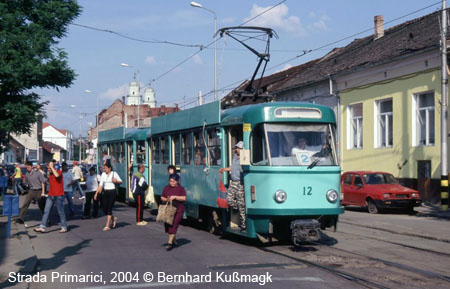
(114, 93)
(177, 69)
(320, 24)
(150, 60)
(276, 18)
(197, 59)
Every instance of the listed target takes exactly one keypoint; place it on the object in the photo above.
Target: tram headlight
(280, 196)
(332, 196)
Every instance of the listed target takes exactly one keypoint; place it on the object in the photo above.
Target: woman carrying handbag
(108, 182)
(175, 194)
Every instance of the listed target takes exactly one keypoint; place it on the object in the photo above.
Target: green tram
(290, 190)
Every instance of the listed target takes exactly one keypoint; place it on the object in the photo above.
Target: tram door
(129, 160)
(234, 135)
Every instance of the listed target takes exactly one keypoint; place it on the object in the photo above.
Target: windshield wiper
(320, 155)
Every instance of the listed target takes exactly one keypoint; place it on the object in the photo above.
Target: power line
(263, 12)
(137, 39)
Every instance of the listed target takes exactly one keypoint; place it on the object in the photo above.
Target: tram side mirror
(245, 157)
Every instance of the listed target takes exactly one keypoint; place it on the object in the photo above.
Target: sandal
(114, 222)
(63, 231)
(106, 228)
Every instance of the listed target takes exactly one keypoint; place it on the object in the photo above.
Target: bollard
(444, 193)
(10, 209)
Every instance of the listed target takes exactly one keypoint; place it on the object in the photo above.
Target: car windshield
(379, 179)
(293, 144)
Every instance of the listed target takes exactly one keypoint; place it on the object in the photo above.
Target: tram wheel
(372, 207)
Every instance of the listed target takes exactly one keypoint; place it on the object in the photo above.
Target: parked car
(377, 191)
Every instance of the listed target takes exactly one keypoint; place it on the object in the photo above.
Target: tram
(289, 191)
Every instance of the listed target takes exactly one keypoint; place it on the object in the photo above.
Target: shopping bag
(222, 196)
(166, 213)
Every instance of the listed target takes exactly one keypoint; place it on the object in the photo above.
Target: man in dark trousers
(138, 187)
(36, 182)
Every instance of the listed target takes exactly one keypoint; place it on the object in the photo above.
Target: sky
(96, 54)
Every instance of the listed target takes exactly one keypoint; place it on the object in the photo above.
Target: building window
(383, 127)
(424, 119)
(354, 125)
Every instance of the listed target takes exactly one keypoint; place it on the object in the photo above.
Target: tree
(29, 58)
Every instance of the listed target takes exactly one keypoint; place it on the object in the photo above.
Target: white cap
(239, 145)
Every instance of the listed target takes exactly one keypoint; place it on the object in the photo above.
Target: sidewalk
(16, 253)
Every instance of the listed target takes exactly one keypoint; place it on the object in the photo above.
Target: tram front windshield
(298, 144)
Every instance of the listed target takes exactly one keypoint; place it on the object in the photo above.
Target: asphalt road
(124, 256)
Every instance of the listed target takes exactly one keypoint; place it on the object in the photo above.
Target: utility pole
(444, 111)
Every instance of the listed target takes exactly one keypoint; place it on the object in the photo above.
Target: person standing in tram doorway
(138, 187)
(235, 196)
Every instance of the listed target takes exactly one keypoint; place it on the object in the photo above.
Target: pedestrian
(235, 195)
(17, 179)
(68, 179)
(36, 182)
(175, 194)
(92, 181)
(138, 187)
(77, 177)
(108, 182)
(171, 169)
(55, 195)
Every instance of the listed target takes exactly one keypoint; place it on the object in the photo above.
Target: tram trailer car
(124, 147)
(289, 191)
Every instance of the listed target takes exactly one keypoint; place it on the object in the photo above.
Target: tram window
(199, 149)
(187, 148)
(177, 149)
(258, 145)
(140, 152)
(165, 149)
(121, 158)
(215, 152)
(155, 150)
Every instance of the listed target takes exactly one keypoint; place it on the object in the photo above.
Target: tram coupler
(305, 230)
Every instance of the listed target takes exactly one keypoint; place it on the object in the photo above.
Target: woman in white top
(92, 181)
(108, 182)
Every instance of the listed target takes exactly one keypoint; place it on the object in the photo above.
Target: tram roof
(113, 134)
(267, 112)
(185, 119)
(137, 133)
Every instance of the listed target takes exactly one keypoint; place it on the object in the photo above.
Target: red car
(377, 191)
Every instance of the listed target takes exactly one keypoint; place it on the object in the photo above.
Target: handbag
(222, 196)
(166, 213)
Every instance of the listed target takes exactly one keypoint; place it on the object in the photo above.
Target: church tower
(149, 97)
(134, 97)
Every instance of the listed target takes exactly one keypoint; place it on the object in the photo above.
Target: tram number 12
(307, 191)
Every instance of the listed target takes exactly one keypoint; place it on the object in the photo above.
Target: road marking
(145, 285)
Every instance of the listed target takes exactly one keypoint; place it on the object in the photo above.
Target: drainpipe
(338, 118)
(444, 112)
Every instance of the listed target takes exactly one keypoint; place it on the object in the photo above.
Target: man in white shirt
(68, 181)
(77, 177)
(92, 181)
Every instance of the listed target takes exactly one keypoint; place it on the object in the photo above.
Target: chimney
(379, 26)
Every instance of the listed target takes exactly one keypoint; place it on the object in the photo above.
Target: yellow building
(394, 126)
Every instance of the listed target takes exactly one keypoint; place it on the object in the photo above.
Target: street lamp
(96, 109)
(197, 5)
(136, 77)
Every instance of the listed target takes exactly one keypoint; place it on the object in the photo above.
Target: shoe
(144, 222)
(40, 230)
(170, 247)
(114, 222)
(20, 221)
(83, 197)
(63, 230)
(106, 228)
(141, 223)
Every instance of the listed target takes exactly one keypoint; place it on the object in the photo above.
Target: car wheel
(372, 207)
